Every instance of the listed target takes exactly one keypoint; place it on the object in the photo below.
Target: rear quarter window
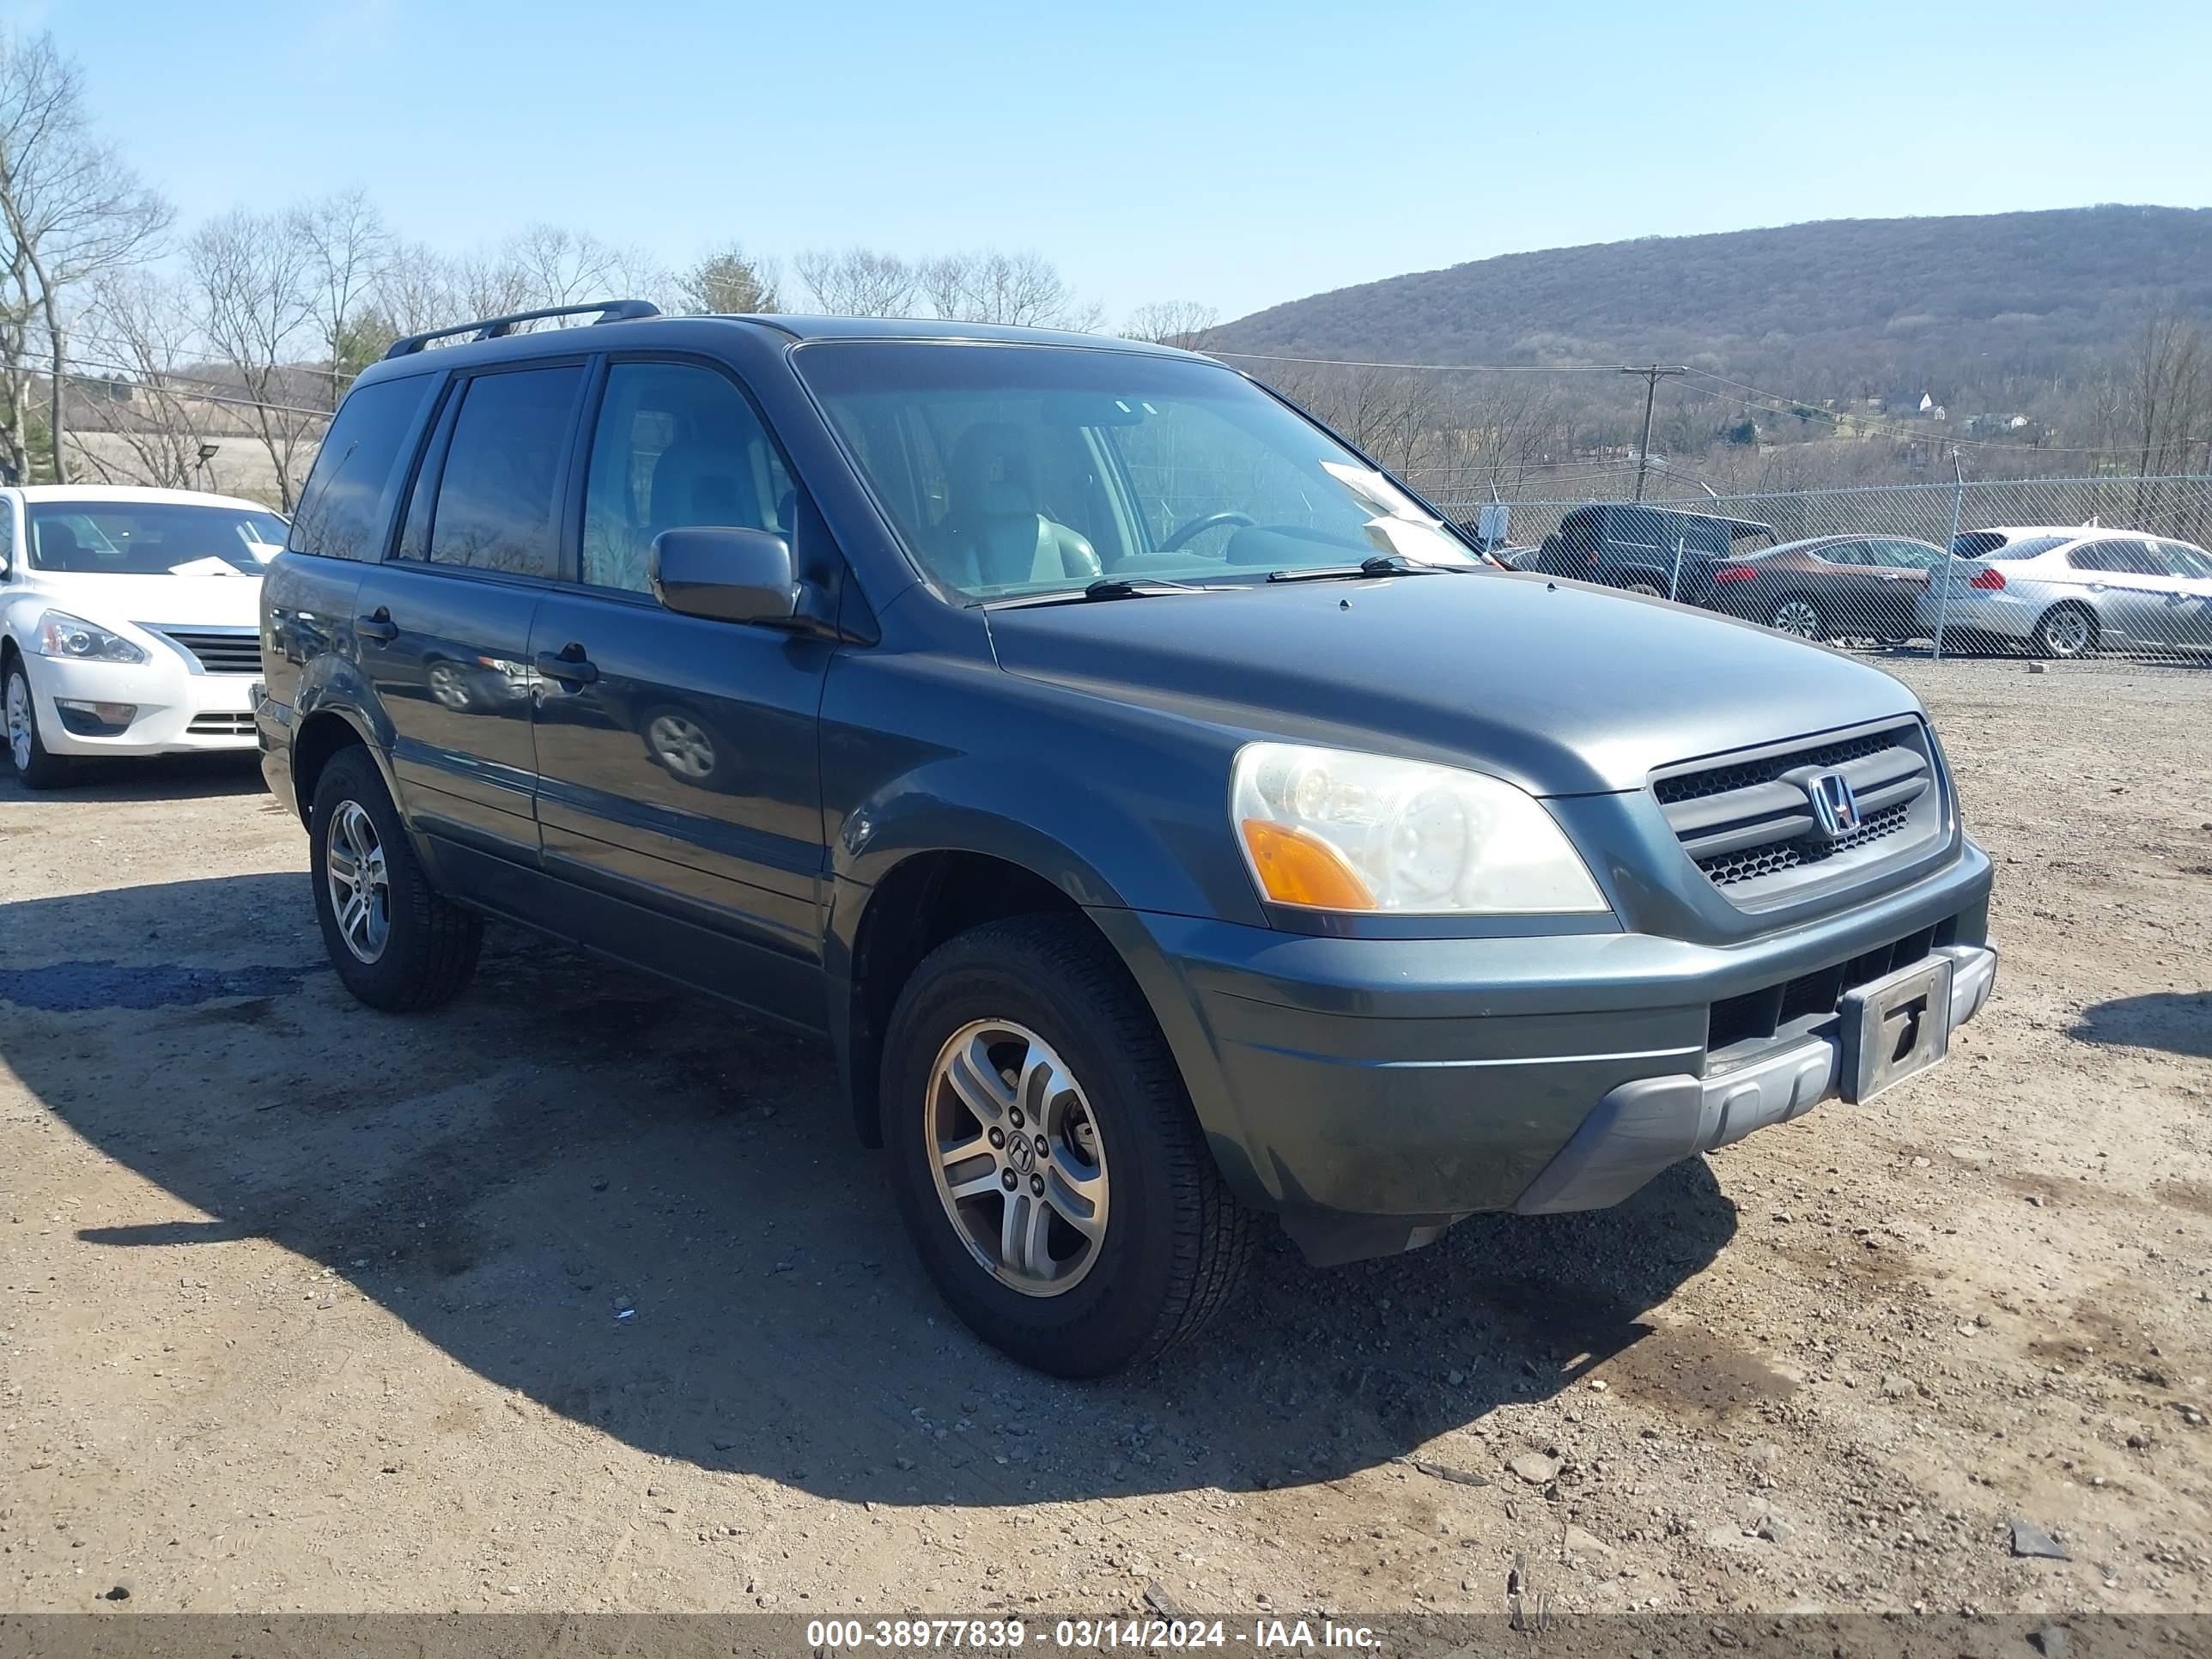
(347, 501)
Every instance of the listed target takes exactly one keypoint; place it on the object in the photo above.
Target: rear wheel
(1800, 614)
(2066, 630)
(34, 768)
(1045, 1155)
(396, 942)
(1645, 584)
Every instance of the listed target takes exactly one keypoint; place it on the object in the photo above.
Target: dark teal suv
(1168, 818)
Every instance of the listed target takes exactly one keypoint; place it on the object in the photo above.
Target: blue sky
(1238, 153)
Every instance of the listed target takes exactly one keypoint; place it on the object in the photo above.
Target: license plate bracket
(1895, 1027)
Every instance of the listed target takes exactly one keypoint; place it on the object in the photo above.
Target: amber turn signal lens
(1298, 867)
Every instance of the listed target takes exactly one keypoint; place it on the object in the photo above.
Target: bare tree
(859, 282)
(255, 284)
(1024, 290)
(1184, 323)
(69, 207)
(155, 421)
(730, 283)
(347, 245)
(2165, 393)
(561, 267)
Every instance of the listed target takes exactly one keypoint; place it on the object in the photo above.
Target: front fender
(1108, 841)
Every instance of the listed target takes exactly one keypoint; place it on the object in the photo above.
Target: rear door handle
(569, 666)
(378, 625)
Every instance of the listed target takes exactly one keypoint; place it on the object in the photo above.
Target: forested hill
(1840, 301)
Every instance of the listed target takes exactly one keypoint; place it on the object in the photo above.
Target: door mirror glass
(725, 574)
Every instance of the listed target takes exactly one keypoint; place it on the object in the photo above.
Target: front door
(445, 626)
(677, 768)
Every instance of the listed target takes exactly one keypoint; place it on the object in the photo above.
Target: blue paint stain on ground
(75, 987)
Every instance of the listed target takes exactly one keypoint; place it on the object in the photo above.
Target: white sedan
(2068, 591)
(129, 622)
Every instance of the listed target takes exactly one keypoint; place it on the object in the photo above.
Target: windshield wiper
(1381, 564)
(1106, 587)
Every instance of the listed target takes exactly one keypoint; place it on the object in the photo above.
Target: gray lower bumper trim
(1641, 1127)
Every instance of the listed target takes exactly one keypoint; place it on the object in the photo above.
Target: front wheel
(35, 768)
(1045, 1155)
(398, 943)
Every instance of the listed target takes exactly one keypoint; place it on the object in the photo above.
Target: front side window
(152, 538)
(1905, 555)
(498, 500)
(1843, 553)
(348, 499)
(675, 445)
(1014, 470)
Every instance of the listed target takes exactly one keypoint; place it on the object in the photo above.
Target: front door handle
(378, 625)
(569, 666)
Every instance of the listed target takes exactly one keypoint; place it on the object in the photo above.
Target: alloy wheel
(1017, 1156)
(360, 889)
(2067, 633)
(19, 720)
(1799, 617)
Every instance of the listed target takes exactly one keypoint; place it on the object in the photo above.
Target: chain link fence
(2060, 568)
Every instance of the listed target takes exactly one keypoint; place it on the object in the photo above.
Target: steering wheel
(1199, 526)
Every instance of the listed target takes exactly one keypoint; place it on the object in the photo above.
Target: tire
(1800, 615)
(1173, 1244)
(1646, 586)
(34, 765)
(428, 945)
(2065, 631)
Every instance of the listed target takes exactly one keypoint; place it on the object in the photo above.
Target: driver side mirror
(724, 575)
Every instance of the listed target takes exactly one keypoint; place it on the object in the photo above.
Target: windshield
(152, 538)
(1014, 470)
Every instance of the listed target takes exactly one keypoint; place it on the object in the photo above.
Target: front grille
(222, 726)
(1748, 821)
(1805, 1003)
(219, 650)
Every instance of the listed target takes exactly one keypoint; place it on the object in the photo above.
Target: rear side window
(498, 501)
(348, 499)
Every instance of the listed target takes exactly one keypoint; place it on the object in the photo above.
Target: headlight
(1334, 830)
(61, 635)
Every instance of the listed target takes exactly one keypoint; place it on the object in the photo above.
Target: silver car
(2066, 592)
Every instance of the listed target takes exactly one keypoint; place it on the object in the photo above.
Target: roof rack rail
(493, 328)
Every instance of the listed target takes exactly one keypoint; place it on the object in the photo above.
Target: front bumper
(176, 709)
(1375, 1090)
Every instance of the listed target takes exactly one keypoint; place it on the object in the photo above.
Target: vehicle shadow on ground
(2179, 1021)
(651, 1215)
(158, 777)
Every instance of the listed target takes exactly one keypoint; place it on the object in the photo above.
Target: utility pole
(1650, 396)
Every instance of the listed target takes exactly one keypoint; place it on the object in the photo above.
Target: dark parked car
(1166, 818)
(1830, 586)
(1658, 550)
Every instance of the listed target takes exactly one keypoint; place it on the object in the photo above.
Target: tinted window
(152, 538)
(1843, 553)
(1909, 555)
(499, 493)
(674, 445)
(349, 494)
(2130, 558)
(1994, 545)
(2185, 560)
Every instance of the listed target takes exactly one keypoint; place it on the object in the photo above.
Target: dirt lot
(577, 1295)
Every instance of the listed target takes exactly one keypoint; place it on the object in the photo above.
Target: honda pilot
(1169, 819)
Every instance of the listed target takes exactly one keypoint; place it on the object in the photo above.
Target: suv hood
(1556, 686)
(206, 601)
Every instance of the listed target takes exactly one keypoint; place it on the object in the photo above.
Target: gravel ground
(577, 1295)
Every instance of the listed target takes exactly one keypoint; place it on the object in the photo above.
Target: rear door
(2129, 583)
(1899, 573)
(677, 763)
(444, 626)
